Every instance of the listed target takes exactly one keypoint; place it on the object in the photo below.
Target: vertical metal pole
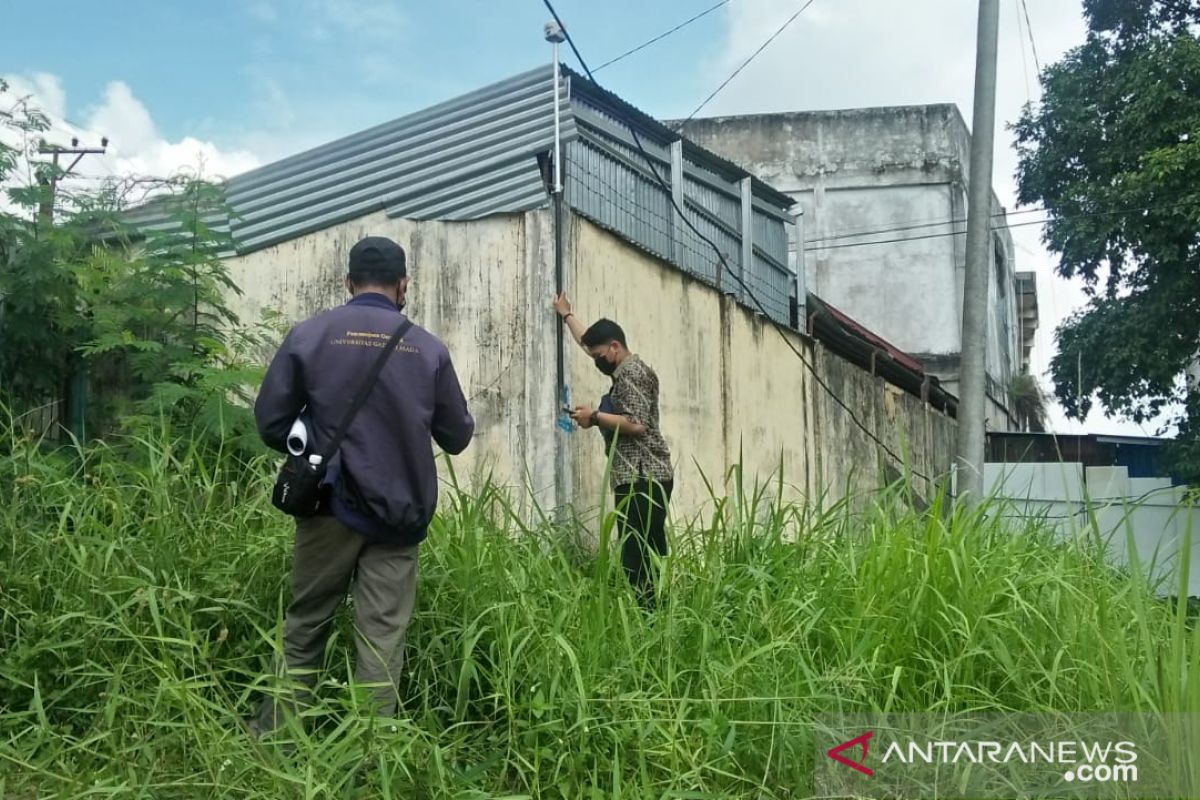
(558, 217)
(801, 280)
(972, 380)
(562, 454)
(678, 226)
(747, 259)
(558, 210)
(558, 185)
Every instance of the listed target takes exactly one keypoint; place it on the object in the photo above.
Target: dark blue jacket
(383, 480)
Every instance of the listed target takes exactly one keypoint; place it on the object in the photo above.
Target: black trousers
(642, 519)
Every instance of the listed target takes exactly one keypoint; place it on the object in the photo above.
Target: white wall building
(884, 199)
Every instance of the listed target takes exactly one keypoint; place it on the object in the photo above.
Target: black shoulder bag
(298, 487)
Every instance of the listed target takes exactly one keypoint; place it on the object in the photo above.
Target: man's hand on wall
(562, 306)
(582, 416)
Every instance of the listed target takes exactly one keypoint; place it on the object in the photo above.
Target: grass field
(141, 608)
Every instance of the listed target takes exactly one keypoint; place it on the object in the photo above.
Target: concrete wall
(883, 285)
(877, 170)
(479, 286)
(718, 398)
(1146, 515)
(849, 461)
(732, 390)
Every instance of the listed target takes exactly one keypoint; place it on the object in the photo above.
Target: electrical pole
(49, 183)
(76, 388)
(49, 180)
(972, 380)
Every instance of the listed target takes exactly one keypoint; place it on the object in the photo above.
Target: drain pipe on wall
(562, 457)
(555, 36)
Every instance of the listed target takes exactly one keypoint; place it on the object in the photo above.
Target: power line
(49, 182)
(915, 226)
(921, 237)
(1037, 63)
(746, 63)
(662, 36)
(1021, 44)
(67, 122)
(637, 140)
(918, 225)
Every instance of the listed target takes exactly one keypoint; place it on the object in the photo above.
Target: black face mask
(604, 365)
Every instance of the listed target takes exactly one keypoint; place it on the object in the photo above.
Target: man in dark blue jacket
(381, 488)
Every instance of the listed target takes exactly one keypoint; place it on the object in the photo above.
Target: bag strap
(363, 391)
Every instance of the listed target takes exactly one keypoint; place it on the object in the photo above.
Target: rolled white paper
(297, 440)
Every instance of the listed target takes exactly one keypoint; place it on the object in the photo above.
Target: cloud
(124, 120)
(46, 88)
(135, 145)
(271, 99)
(857, 53)
(377, 20)
(365, 34)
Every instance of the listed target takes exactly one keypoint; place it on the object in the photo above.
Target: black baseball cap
(378, 255)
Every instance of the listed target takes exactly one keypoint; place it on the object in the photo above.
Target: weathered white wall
(733, 392)
(849, 461)
(676, 325)
(904, 291)
(875, 170)
(482, 287)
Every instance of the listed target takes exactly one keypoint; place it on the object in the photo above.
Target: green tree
(1113, 153)
(39, 325)
(162, 340)
(126, 311)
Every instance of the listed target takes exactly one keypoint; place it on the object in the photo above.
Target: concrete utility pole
(972, 381)
(49, 181)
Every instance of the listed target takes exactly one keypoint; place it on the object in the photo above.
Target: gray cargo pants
(326, 556)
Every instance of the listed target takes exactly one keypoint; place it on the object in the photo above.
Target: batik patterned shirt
(635, 396)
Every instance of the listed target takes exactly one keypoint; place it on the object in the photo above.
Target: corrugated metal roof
(651, 128)
(463, 159)
(867, 335)
(609, 181)
(476, 155)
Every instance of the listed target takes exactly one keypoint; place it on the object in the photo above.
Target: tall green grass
(142, 592)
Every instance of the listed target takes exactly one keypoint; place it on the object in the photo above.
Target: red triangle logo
(858, 741)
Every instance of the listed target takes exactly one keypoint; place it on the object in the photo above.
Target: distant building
(884, 199)
(1142, 456)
